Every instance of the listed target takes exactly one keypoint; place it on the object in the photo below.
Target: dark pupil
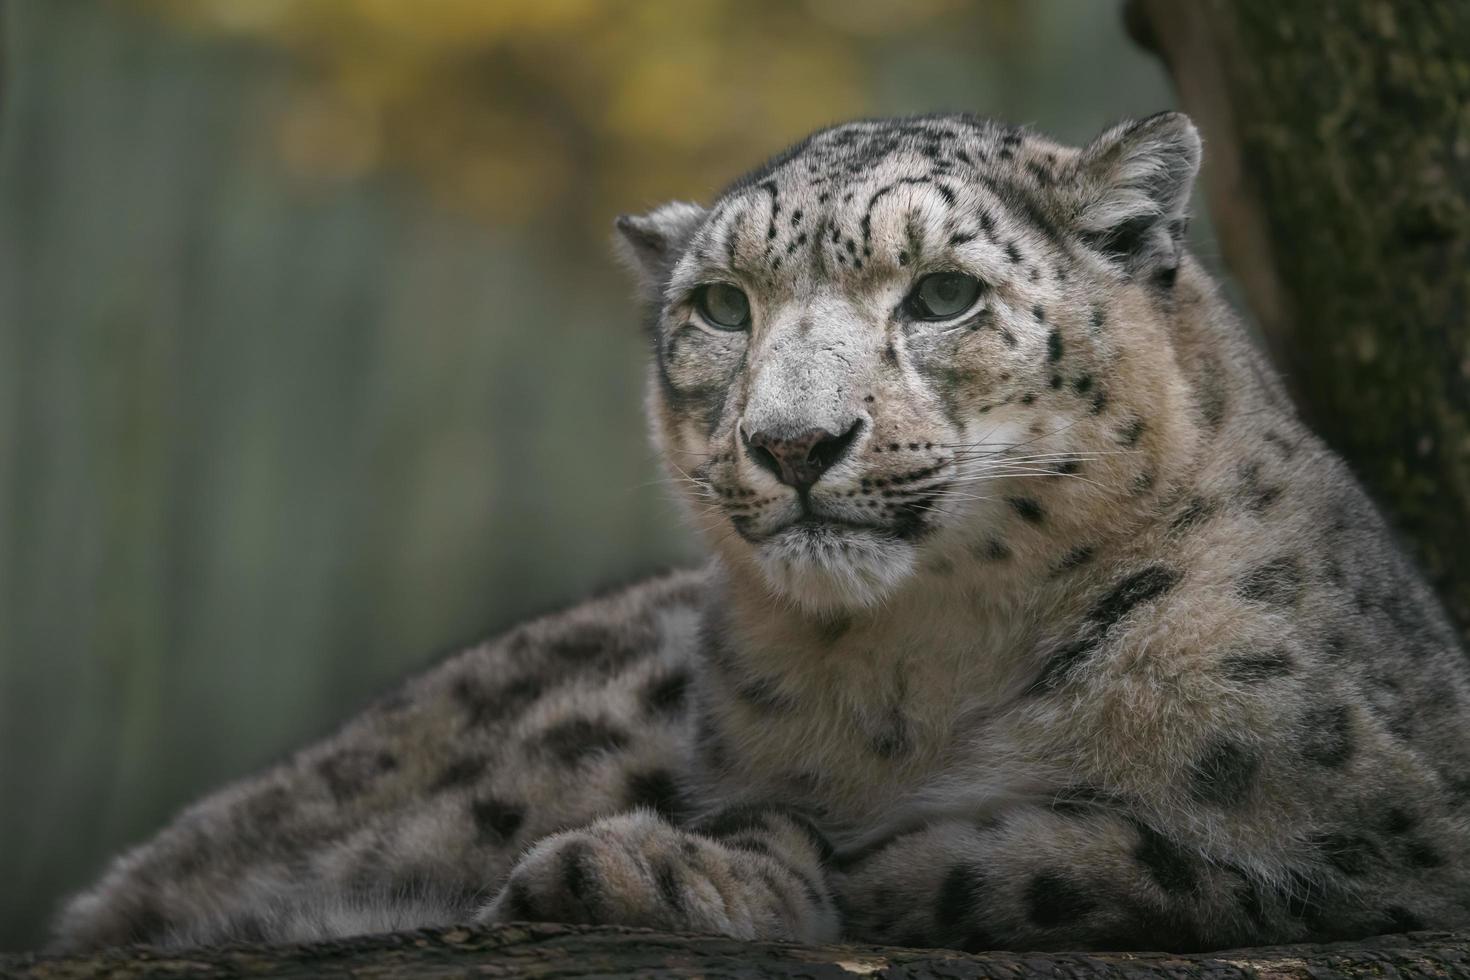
(726, 305)
(948, 289)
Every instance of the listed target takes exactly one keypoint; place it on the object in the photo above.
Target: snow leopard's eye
(723, 305)
(942, 296)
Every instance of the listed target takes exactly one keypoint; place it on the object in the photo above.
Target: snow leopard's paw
(751, 873)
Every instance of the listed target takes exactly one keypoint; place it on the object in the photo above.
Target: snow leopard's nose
(800, 460)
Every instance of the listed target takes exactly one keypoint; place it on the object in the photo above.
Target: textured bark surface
(573, 951)
(1338, 174)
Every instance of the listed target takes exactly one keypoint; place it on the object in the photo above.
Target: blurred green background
(313, 363)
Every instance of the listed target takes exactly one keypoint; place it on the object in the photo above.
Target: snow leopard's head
(896, 340)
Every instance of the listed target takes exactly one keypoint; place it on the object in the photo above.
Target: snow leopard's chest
(876, 727)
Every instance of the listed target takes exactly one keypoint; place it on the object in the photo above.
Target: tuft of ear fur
(650, 244)
(1133, 184)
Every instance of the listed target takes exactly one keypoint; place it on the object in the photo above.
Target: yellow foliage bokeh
(565, 109)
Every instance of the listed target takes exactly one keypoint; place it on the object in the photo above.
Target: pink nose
(800, 460)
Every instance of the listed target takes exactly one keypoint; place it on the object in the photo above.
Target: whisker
(1045, 435)
(1080, 457)
(955, 494)
(1034, 474)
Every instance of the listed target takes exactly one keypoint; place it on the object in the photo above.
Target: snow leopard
(1034, 617)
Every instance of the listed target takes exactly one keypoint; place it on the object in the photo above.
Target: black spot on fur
(520, 904)
(764, 695)
(496, 821)
(1142, 586)
(1418, 854)
(1054, 346)
(575, 739)
(1052, 900)
(760, 693)
(1124, 239)
(1253, 667)
(267, 810)
(957, 906)
(1061, 664)
(733, 822)
(666, 875)
(893, 740)
(1328, 735)
(1169, 866)
(1281, 443)
(753, 819)
(666, 694)
(657, 790)
(1212, 397)
(1224, 773)
(1131, 432)
(460, 772)
(1078, 556)
(351, 772)
(847, 860)
(820, 845)
(1278, 582)
(834, 628)
(994, 549)
(1196, 511)
(1084, 800)
(1258, 496)
(1027, 507)
(578, 878)
(1398, 821)
(486, 705)
(1350, 854)
(590, 643)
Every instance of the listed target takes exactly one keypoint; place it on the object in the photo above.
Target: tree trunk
(576, 951)
(1338, 175)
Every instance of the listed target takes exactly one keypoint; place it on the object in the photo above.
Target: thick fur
(1084, 642)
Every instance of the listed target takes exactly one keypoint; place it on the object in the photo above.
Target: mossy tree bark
(1338, 174)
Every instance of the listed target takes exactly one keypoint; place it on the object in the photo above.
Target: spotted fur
(1080, 640)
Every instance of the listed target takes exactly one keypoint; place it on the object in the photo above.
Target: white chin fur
(829, 569)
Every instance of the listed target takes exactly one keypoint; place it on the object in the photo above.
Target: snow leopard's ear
(1132, 192)
(650, 244)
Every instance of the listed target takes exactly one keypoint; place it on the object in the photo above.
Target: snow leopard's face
(869, 349)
